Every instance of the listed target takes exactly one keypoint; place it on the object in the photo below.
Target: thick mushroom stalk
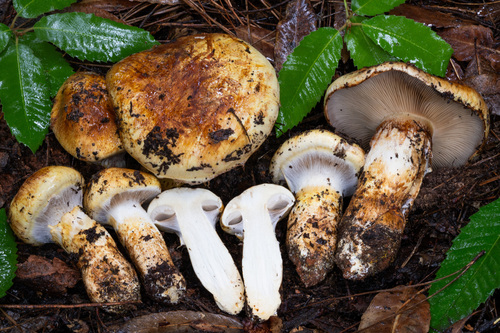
(372, 226)
(320, 168)
(46, 209)
(192, 214)
(252, 216)
(114, 196)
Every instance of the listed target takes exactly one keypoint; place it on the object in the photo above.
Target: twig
(63, 306)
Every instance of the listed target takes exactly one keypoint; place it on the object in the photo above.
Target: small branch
(63, 306)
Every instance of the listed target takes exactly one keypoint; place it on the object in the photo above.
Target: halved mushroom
(406, 116)
(320, 168)
(196, 107)
(252, 216)
(47, 209)
(192, 213)
(114, 196)
(84, 122)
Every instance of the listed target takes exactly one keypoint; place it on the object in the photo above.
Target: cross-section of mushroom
(211, 95)
(320, 168)
(405, 116)
(114, 196)
(192, 213)
(84, 122)
(47, 209)
(252, 216)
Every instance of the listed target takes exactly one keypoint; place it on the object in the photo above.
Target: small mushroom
(252, 216)
(320, 168)
(47, 209)
(83, 120)
(114, 196)
(405, 116)
(194, 108)
(192, 213)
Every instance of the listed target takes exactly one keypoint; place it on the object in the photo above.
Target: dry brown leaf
(428, 17)
(162, 2)
(180, 321)
(53, 276)
(260, 38)
(486, 81)
(384, 314)
(110, 5)
(89, 8)
(300, 20)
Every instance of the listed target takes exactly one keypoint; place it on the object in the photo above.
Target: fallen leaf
(260, 38)
(110, 5)
(385, 312)
(53, 276)
(92, 9)
(490, 12)
(432, 18)
(486, 81)
(300, 20)
(162, 2)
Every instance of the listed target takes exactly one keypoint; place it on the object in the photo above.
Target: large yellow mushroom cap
(194, 108)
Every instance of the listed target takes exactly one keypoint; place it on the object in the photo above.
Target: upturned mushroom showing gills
(192, 213)
(84, 122)
(411, 121)
(46, 209)
(196, 107)
(114, 197)
(252, 216)
(320, 168)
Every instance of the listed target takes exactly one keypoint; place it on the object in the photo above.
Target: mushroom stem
(312, 232)
(147, 250)
(97, 255)
(371, 228)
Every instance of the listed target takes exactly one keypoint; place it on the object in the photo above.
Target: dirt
(447, 199)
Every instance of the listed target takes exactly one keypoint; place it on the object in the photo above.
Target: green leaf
(89, 37)
(24, 92)
(55, 66)
(306, 74)
(364, 52)
(35, 8)
(374, 7)
(5, 35)
(410, 41)
(463, 296)
(8, 254)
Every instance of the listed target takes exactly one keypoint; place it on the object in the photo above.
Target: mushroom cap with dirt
(84, 122)
(320, 168)
(411, 121)
(46, 209)
(196, 107)
(252, 216)
(114, 196)
(192, 214)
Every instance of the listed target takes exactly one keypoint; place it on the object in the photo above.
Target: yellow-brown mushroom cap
(358, 102)
(83, 119)
(194, 108)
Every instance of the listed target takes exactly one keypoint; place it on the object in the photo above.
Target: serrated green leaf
(305, 76)
(410, 41)
(364, 52)
(5, 35)
(89, 37)
(35, 8)
(8, 254)
(374, 7)
(463, 296)
(24, 93)
(55, 66)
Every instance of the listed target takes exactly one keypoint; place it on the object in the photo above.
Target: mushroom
(114, 197)
(252, 216)
(83, 120)
(192, 213)
(194, 108)
(46, 209)
(405, 116)
(320, 168)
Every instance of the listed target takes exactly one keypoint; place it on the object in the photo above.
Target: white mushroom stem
(147, 249)
(371, 228)
(107, 276)
(312, 232)
(192, 214)
(253, 215)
